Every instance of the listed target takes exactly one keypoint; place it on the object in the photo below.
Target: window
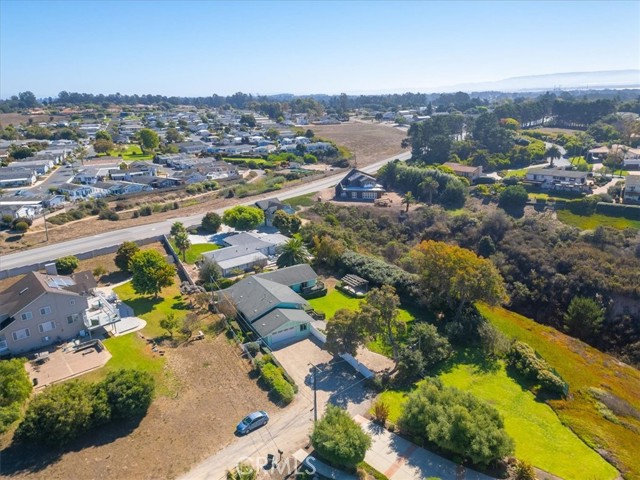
(72, 302)
(72, 318)
(303, 327)
(26, 316)
(45, 310)
(369, 195)
(21, 334)
(46, 339)
(46, 326)
(3, 343)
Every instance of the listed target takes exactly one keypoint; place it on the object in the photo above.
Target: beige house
(632, 189)
(43, 309)
(466, 171)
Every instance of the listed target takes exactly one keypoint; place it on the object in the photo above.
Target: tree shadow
(515, 212)
(23, 458)
(142, 305)
(180, 305)
(114, 277)
(13, 238)
(474, 357)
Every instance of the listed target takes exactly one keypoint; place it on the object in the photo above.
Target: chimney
(51, 269)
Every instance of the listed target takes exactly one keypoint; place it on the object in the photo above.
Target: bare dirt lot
(370, 142)
(215, 391)
(18, 118)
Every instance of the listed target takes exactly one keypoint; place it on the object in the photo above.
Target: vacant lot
(18, 118)
(589, 222)
(370, 142)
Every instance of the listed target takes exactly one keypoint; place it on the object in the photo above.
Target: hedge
(630, 212)
(274, 378)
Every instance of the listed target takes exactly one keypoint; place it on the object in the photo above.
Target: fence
(360, 368)
(181, 269)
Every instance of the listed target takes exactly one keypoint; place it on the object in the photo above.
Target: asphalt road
(116, 237)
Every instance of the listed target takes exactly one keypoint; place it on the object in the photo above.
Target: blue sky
(199, 48)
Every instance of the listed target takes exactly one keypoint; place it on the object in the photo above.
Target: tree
(584, 318)
(19, 152)
(243, 471)
(66, 265)
(380, 310)
(15, 386)
(242, 217)
(309, 133)
(125, 253)
(339, 439)
(346, 331)
(248, 119)
(328, 250)
(173, 136)
(211, 222)
(457, 275)
(176, 228)
(552, 153)
(129, 392)
(514, 197)
(190, 323)
(103, 135)
(149, 139)
(407, 200)
(21, 226)
(429, 187)
(288, 224)
(292, 253)
(151, 272)
(183, 243)
(209, 272)
(486, 246)
(425, 338)
(103, 146)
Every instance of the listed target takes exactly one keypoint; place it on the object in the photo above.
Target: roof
(269, 202)
(35, 284)
(240, 260)
(632, 180)
(247, 240)
(291, 275)
(557, 172)
(279, 317)
(255, 296)
(458, 167)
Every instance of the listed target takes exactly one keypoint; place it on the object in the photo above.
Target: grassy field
(194, 252)
(603, 407)
(302, 201)
(533, 425)
(131, 153)
(592, 221)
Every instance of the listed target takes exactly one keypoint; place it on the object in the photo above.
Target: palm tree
(429, 187)
(553, 152)
(292, 253)
(183, 243)
(407, 200)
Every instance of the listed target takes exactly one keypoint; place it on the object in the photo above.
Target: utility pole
(44, 217)
(315, 395)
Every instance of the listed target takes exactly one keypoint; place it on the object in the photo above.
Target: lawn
(540, 437)
(194, 252)
(302, 200)
(587, 371)
(589, 222)
(131, 152)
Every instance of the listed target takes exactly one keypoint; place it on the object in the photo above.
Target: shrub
(274, 378)
(380, 411)
(66, 265)
(21, 227)
(15, 388)
(524, 360)
(253, 348)
(125, 253)
(99, 271)
(145, 211)
(26, 220)
(523, 471)
(109, 214)
(211, 222)
(129, 392)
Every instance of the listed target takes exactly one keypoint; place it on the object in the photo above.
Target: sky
(197, 48)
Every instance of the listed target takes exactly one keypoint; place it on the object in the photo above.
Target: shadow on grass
(143, 305)
(475, 357)
(180, 305)
(23, 458)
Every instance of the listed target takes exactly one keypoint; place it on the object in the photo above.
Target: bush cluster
(274, 378)
(206, 186)
(64, 412)
(86, 208)
(527, 363)
(15, 388)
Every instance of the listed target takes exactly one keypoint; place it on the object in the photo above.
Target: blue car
(252, 421)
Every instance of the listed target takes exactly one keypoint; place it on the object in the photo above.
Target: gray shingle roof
(278, 317)
(291, 275)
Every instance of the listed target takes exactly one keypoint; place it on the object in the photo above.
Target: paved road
(116, 237)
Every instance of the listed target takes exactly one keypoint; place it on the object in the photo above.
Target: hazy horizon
(200, 48)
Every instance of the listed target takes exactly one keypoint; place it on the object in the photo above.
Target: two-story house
(558, 179)
(270, 206)
(358, 185)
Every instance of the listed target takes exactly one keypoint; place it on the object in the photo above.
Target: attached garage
(283, 325)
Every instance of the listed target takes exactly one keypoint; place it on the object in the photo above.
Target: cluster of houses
(24, 172)
(630, 156)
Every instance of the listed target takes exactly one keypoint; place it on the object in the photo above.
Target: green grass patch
(130, 152)
(372, 471)
(576, 161)
(302, 201)
(584, 368)
(154, 309)
(521, 173)
(596, 220)
(193, 253)
(333, 301)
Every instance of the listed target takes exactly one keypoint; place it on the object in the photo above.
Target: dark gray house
(358, 185)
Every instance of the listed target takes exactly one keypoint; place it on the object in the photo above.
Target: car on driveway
(252, 421)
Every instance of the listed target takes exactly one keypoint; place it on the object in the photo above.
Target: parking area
(336, 381)
(64, 363)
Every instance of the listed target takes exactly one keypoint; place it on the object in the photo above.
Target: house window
(21, 334)
(72, 302)
(26, 316)
(45, 310)
(46, 339)
(46, 327)
(303, 327)
(354, 195)
(3, 343)
(72, 318)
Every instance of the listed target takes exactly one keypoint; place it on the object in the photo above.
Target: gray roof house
(17, 177)
(42, 309)
(558, 179)
(270, 206)
(270, 307)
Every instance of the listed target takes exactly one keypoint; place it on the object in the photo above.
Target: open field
(589, 222)
(18, 118)
(130, 153)
(603, 407)
(533, 425)
(368, 141)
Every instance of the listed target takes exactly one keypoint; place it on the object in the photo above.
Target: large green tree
(149, 139)
(151, 272)
(242, 217)
(346, 331)
(380, 311)
(211, 222)
(125, 253)
(292, 253)
(339, 439)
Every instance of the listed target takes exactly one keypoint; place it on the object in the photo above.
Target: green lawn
(333, 301)
(194, 252)
(302, 201)
(539, 435)
(585, 369)
(521, 173)
(153, 310)
(131, 152)
(592, 221)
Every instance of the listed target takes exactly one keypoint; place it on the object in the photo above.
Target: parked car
(252, 421)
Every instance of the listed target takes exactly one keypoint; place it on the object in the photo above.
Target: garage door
(283, 335)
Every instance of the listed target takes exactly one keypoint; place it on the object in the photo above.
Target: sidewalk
(399, 459)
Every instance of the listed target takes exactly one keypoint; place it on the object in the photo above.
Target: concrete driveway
(336, 381)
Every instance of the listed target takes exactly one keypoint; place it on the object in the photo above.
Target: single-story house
(358, 185)
(632, 189)
(558, 179)
(40, 166)
(466, 171)
(630, 156)
(75, 191)
(270, 307)
(17, 177)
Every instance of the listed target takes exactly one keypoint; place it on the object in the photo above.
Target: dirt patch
(370, 142)
(18, 118)
(215, 392)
